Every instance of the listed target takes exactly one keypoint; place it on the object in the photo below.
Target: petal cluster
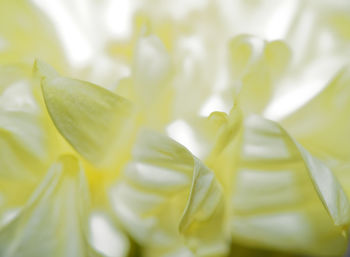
(211, 129)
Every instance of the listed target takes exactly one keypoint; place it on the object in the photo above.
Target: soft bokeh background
(93, 33)
(98, 38)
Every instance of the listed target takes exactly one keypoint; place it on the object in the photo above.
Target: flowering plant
(210, 129)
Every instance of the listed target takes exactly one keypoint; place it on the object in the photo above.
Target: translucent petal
(105, 236)
(285, 198)
(152, 67)
(150, 84)
(255, 64)
(24, 134)
(225, 150)
(28, 143)
(89, 117)
(328, 133)
(50, 223)
(54, 222)
(42, 69)
(166, 190)
(25, 34)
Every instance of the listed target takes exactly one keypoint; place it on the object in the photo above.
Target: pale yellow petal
(26, 34)
(322, 124)
(55, 221)
(150, 85)
(167, 192)
(255, 65)
(89, 117)
(52, 222)
(285, 198)
(24, 133)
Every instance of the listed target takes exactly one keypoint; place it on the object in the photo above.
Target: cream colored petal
(89, 117)
(255, 65)
(322, 125)
(150, 82)
(151, 68)
(42, 69)
(167, 193)
(52, 222)
(26, 34)
(24, 134)
(27, 142)
(106, 237)
(285, 198)
(217, 140)
(55, 221)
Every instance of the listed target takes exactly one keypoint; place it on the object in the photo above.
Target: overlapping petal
(89, 117)
(268, 190)
(284, 197)
(150, 84)
(167, 194)
(57, 213)
(255, 66)
(25, 34)
(329, 111)
(25, 138)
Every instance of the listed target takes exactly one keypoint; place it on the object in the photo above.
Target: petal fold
(55, 220)
(168, 194)
(284, 198)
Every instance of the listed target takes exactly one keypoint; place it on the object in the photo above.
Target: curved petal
(284, 197)
(23, 138)
(225, 150)
(255, 64)
(25, 34)
(150, 84)
(50, 224)
(216, 139)
(89, 117)
(151, 69)
(328, 133)
(167, 191)
(54, 222)
(26, 144)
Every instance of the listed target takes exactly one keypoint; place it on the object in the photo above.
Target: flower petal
(25, 34)
(284, 197)
(89, 117)
(166, 189)
(255, 64)
(50, 224)
(328, 133)
(55, 220)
